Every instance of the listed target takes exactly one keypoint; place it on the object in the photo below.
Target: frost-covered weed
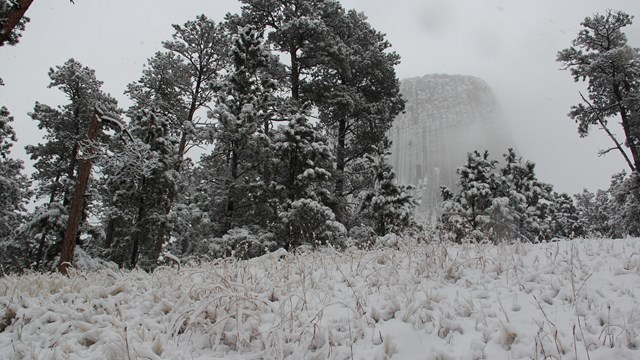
(417, 300)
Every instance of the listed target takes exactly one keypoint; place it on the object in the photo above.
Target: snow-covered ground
(562, 300)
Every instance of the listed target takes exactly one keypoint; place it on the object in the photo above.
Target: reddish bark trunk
(77, 203)
(13, 18)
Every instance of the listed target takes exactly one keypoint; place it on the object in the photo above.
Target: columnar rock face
(446, 116)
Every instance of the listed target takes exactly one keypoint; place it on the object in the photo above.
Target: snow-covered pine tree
(453, 224)
(624, 206)
(341, 66)
(137, 175)
(356, 91)
(601, 55)
(14, 187)
(57, 160)
(506, 203)
(612, 212)
(477, 185)
(301, 177)
(528, 199)
(201, 47)
(123, 167)
(593, 212)
(303, 159)
(176, 84)
(388, 206)
(233, 180)
(294, 28)
(241, 141)
(562, 218)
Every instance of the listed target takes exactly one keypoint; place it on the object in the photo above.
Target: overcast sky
(512, 44)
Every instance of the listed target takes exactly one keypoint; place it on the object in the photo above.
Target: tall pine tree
(57, 159)
(340, 65)
(601, 56)
(241, 136)
(175, 86)
(14, 187)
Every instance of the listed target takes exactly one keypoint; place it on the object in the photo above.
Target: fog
(446, 117)
(510, 44)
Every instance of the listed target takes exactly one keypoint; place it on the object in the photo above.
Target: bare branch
(611, 135)
(606, 151)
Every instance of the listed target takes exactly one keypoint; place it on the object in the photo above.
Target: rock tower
(445, 117)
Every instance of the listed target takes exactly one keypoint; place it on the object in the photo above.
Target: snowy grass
(563, 300)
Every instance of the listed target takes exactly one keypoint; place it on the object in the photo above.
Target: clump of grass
(7, 318)
(389, 347)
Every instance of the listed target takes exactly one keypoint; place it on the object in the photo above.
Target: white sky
(512, 44)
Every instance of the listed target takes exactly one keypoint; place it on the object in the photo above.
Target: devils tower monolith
(445, 117)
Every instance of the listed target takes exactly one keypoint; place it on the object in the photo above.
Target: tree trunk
(43, 240)
(67, 195)
(111, 229)
(46, 228)
(295, 74)
(231, 192)
(136, 240)
(630, 137)
(166, 234)
(340, 155)
(182, 149)
(138, 231)
(75, 213)
(13, 18)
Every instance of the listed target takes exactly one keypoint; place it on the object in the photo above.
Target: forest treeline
(290, 101)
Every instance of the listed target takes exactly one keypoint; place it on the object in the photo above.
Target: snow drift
(561, 300)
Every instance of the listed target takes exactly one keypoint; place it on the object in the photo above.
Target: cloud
(437, 16)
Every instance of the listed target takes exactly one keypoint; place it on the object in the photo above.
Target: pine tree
(593, 212)
(138, 174)
(175, 85)
(58, 158)
(14, 187)
(241, 136)
(201, 46)
(453, 224)
(612, 212)
(356, 91)
(528, 198)
(505, 203)
(388, 206)
(600, 55)
(301, 175)
(124, 170)
(624, 208)
(477, 184)
(294, 28)
(563, 219)
(341, 66)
